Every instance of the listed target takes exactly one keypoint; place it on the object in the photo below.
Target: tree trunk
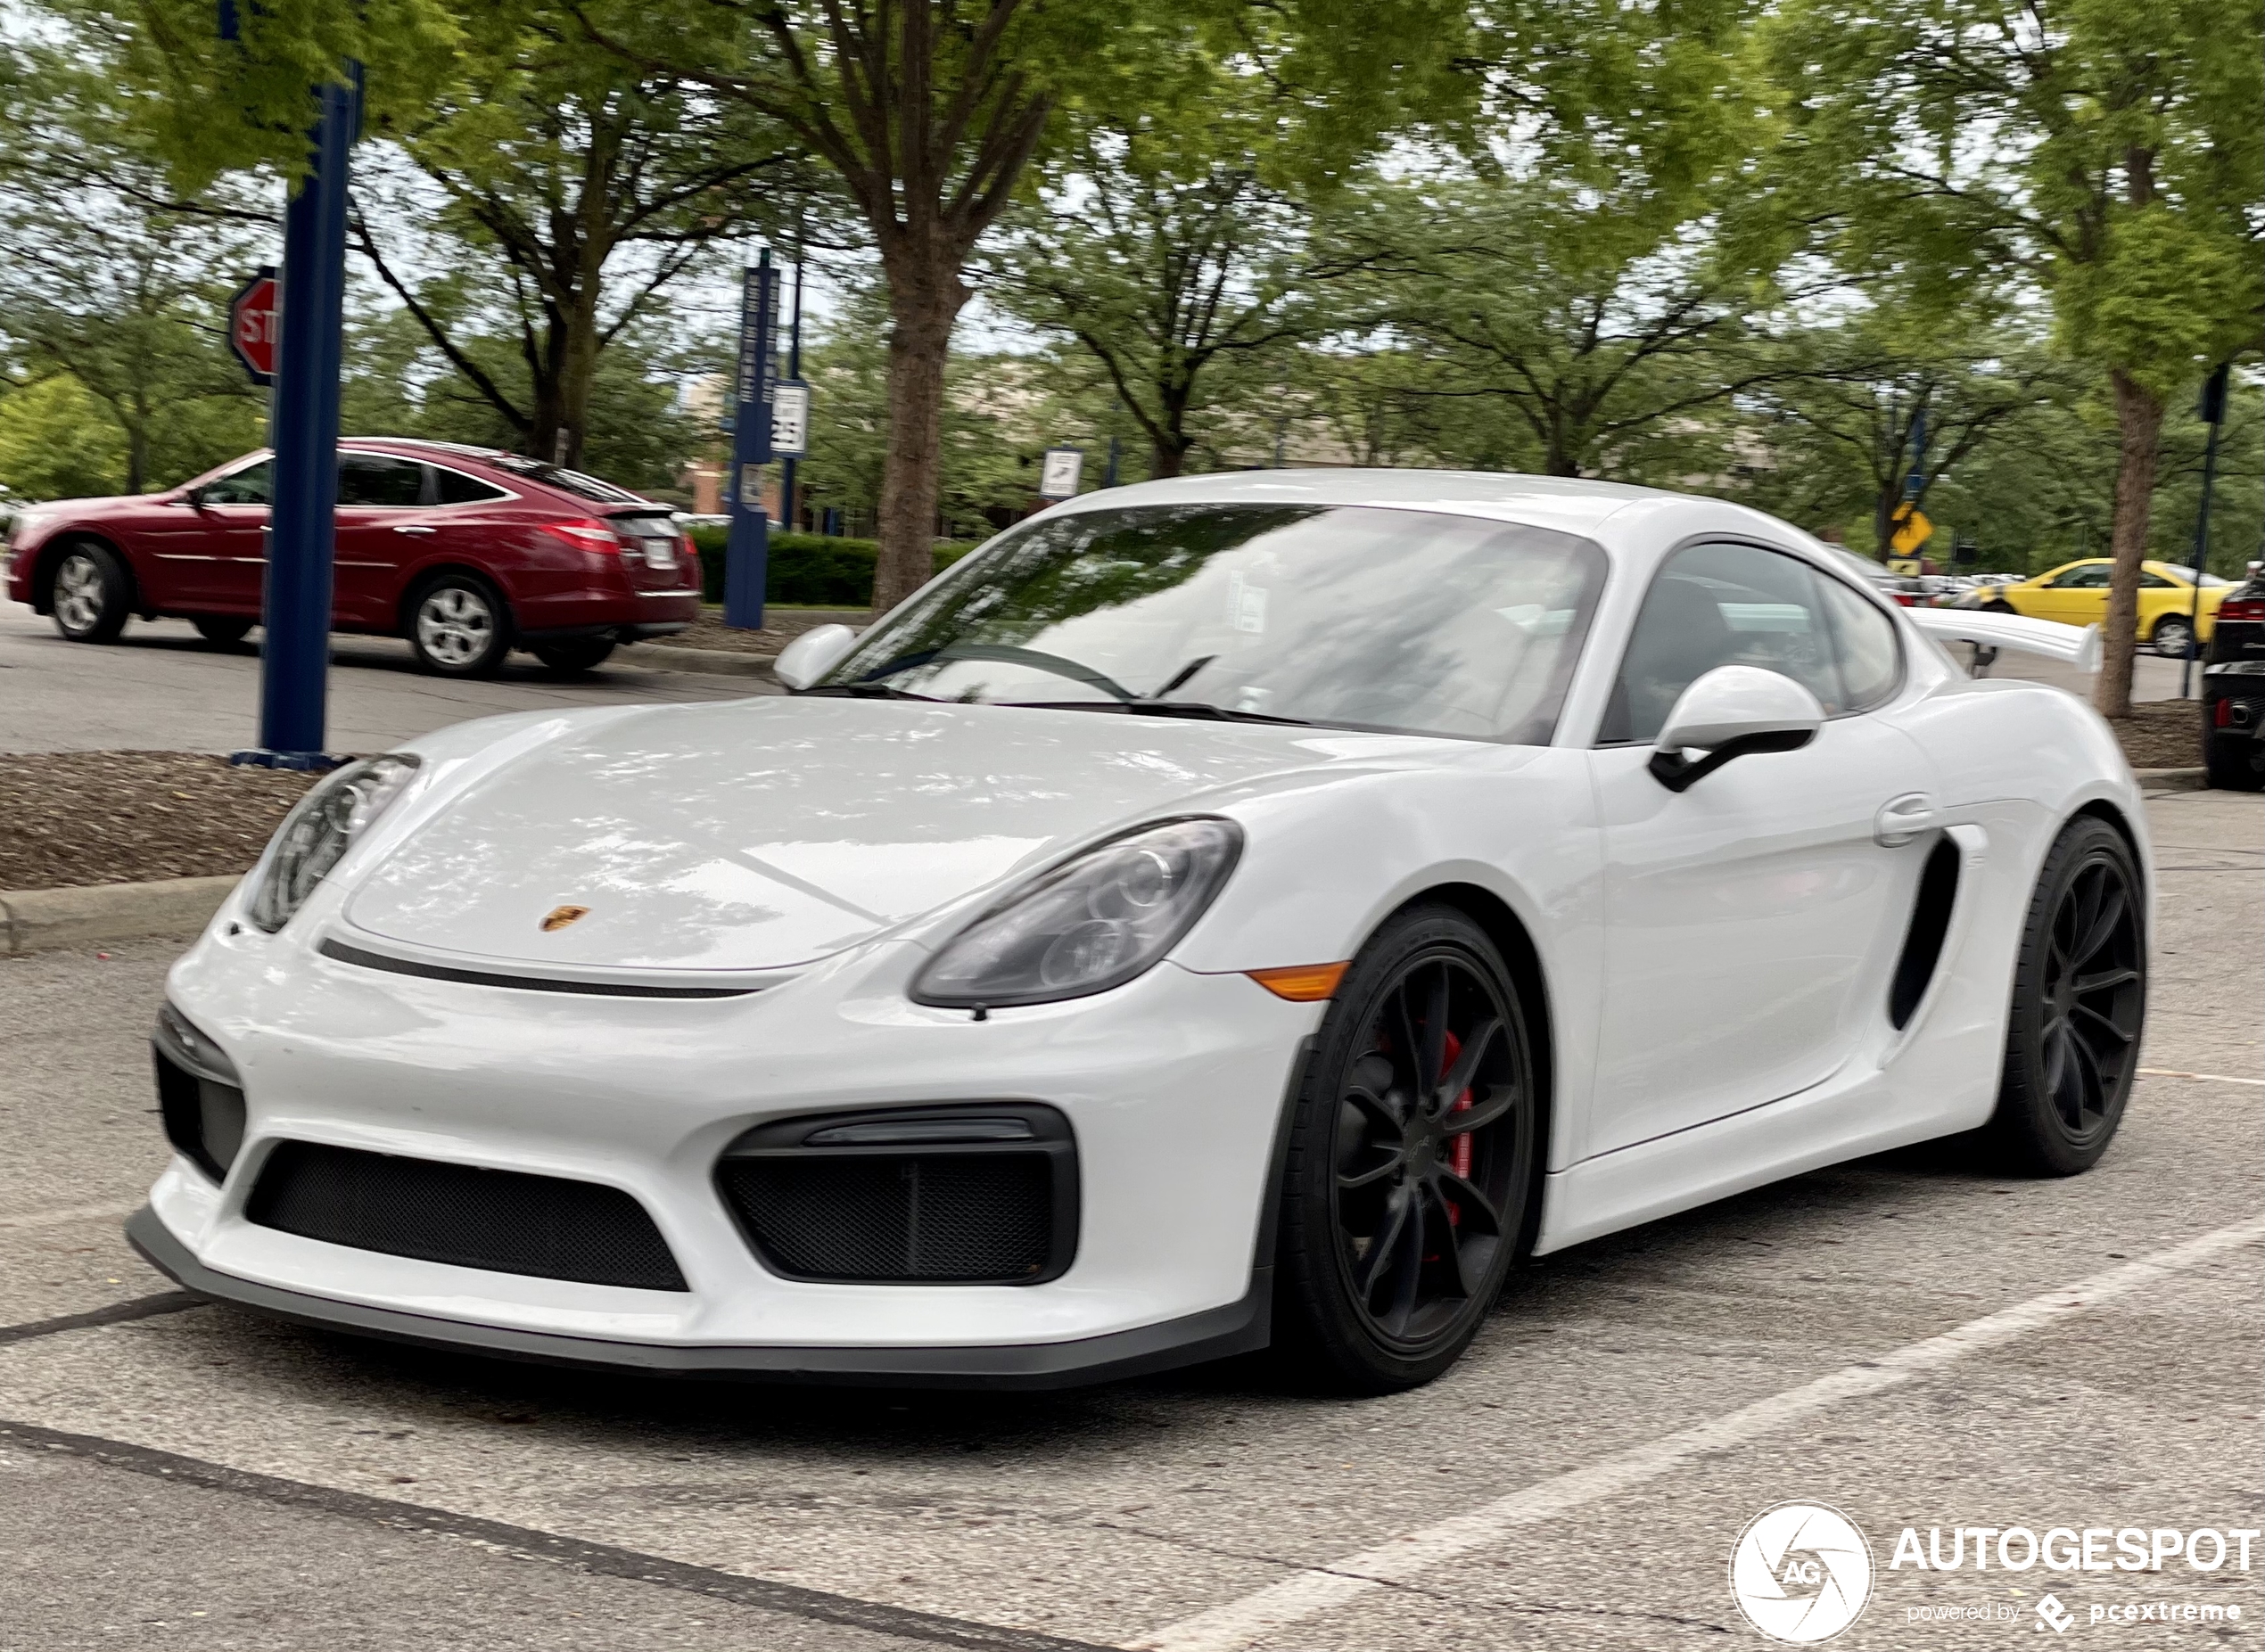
(577, 381)
(2139, 413)
(926, 294)
(137, 453)
(1165, 460)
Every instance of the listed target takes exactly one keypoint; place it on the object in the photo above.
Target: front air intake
(501, 1220)
(982, 1195)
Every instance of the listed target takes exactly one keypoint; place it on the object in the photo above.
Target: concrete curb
(32, 920)
(2173, 779)
(714, 662)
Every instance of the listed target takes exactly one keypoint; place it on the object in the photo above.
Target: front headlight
(1087, 925)
(321, 829)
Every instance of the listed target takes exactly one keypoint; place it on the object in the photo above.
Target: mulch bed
(2160, 734)
(781, 626)
(71, 817)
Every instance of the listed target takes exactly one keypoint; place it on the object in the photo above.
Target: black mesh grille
(963, 1218)
(499, 1219)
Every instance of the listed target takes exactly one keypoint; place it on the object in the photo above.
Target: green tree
(1168, 238)
(928, 112)
(1859, 409)
(554, 192)
(111, 285)
(2110, 148)
(398, 383)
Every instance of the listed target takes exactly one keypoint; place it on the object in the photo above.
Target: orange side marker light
(1301, 983)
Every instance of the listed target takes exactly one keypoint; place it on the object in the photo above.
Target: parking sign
(790, 419)
(1057, 476)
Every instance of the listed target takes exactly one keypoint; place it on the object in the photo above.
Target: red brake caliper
(1459, 1149)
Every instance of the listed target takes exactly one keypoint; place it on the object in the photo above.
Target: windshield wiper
(1195, 710)
(871, 691)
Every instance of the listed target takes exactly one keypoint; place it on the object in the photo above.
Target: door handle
(405, 528)
(1902, 818)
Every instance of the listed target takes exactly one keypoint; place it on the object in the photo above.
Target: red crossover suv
(465, 551)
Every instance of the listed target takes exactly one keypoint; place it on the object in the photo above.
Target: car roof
(1570, 505)
(419, 444)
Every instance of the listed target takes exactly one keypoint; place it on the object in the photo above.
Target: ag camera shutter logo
(1802, 1573)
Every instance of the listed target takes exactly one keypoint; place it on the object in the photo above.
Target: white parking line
(1242, 1623)
(2215, 1078)
(56, 1218)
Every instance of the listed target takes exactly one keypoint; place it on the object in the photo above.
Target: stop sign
(254, 319)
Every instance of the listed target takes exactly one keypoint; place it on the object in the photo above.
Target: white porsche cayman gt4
(1227, 910)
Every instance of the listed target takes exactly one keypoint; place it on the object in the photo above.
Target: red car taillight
(2243, 608)
(2223, 714)
(587, 532)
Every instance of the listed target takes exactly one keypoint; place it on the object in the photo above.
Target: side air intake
(1930, 923)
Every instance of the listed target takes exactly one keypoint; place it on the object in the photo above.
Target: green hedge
(808, 568)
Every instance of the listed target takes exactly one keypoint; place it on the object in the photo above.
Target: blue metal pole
(790, 515)
(2213, 412)
(747, 556)
(294, 662)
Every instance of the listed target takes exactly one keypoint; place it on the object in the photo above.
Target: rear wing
(2076, 646)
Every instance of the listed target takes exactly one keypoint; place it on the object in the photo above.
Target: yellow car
(2077, 593)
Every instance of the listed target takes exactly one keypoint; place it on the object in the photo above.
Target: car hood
(761, 833)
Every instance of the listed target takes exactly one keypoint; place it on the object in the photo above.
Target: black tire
(2080, 1001)
(1383, 1278)
(458, 625)
(2171, 636)
(223, 630)
(91, 594)
(2231, 764)
(2000, 608)
(574, 655)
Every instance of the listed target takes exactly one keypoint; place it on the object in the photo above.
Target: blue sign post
(747, 556)
(303, 429)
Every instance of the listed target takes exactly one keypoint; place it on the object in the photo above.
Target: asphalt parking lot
(163, 687)
(1897, 1337)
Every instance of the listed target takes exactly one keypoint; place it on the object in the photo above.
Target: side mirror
(812, 655)
(194, 498)
(1732, 712)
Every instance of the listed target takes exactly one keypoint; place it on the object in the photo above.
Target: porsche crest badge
(558, 917)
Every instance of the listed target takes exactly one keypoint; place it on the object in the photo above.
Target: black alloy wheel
(223, 630)
(2079, 999)
(91, 594)
(1412, 1159)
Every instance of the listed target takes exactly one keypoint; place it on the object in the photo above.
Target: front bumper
(1239, 1327)
(1175, 1085)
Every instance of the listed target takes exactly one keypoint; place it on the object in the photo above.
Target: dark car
(465, 551)
(2233, 690)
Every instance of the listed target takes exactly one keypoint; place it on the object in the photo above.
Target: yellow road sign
(1912, 529)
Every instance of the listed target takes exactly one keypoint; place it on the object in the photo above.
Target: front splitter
(1241, 1326)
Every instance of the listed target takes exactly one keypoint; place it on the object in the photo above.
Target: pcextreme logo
(1802, 1573)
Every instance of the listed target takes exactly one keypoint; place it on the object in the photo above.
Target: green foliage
(554, 193)
(202, 106)
(58, 442)
(2111, 148)
(397, 384)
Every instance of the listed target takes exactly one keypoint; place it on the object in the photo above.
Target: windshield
(1355, 616)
